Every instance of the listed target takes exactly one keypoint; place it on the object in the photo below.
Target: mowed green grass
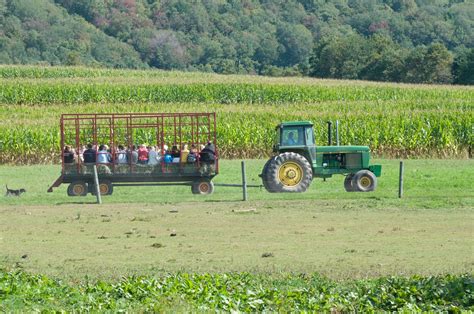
(326, 230)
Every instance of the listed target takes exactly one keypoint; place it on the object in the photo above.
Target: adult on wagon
(103, 155)
(207, 157)
(142, 155)
(89, 154)
(153, 157)
(69, 155)
(208, 153)
(103, 158)
(134, 155)
(121, 159)
(121, 155)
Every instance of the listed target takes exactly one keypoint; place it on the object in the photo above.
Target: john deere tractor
(298, 160)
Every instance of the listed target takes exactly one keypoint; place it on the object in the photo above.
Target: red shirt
(142, 154)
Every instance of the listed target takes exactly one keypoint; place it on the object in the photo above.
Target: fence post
(244, 182)
(400, 181)
(96, 186)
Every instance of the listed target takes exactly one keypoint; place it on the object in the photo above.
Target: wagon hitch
(56, 184)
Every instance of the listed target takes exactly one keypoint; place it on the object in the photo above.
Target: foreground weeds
(237, 291)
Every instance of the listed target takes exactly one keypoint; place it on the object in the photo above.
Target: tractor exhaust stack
(329, 133)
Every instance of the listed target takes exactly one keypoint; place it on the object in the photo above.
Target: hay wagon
(112, 143)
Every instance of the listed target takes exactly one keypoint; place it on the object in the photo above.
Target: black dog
(11, 192)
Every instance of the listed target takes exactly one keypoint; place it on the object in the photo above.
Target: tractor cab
(299, 133)
(297, 136)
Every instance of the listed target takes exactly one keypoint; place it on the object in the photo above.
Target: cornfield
(394, 120)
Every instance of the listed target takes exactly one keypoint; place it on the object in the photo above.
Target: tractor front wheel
(287, 172)
(348, 183)
(364, 181)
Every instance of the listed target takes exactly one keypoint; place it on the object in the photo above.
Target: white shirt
(152, 157)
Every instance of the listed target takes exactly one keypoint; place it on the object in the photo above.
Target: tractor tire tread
(270, 173)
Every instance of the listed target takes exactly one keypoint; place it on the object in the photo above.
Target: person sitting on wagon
(184, 153)
(208, 154)
(103, 155)
(69, 155)
(167, 158)
(121, 155)
(142, 155)
(193, 154)
(152, 156)
(175, 153)
(133, 155)
(160, 153)
(89, 154)
(103, 158)
(207, 157)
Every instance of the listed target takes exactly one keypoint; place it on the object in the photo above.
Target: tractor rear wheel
(77, 188)
(364, 181)
(287, 172)
(264, 176)
(348, 183)
(203, 187)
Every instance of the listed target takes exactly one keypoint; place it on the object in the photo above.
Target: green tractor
(298, 160)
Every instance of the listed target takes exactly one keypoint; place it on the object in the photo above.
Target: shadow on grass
(222, 201)
(76, 203)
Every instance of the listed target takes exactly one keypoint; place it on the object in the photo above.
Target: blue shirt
(103, 157)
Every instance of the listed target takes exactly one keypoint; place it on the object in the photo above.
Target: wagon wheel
(288, 172)
(364, 181)
(105, 187)
(77, 188)
(203, 187)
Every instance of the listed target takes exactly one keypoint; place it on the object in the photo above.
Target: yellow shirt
(184, 155)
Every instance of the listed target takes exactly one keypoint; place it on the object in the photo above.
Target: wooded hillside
(429, 41)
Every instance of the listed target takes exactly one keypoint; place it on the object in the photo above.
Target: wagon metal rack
(130, 129)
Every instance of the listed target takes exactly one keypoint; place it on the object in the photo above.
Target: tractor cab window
(292, 136)
(277, 136)
(309, 136)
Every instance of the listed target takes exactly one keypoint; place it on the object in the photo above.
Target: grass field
(326, 230)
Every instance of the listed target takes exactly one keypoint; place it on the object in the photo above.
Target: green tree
(430, 64)
(170, 53)
(340, 57)
(295, 43)
(463, 67)
(385, 60)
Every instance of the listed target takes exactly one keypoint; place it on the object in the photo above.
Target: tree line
(416, 41)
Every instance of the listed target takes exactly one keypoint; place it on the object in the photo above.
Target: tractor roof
(295, 123)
